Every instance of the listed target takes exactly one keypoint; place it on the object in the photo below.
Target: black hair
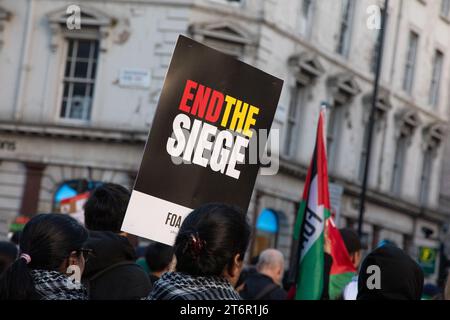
(106, 207)
(16, 237)
(8, 254)
(48, 239)
(351, 240)
(158, 256)
(209, 239)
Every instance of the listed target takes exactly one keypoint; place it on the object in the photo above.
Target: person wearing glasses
(51, 261)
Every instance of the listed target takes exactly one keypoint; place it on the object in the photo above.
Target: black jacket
(261, 287)
(112, 274)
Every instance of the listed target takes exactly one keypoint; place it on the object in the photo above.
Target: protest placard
(210, 107)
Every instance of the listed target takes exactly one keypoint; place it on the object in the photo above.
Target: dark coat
(112, 274)
(258, 283)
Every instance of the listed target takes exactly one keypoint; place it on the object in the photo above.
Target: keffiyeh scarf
(181, 286)
(53, 285)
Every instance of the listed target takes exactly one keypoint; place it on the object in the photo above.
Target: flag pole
(362, 199)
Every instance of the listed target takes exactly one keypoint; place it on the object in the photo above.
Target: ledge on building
(72, 132)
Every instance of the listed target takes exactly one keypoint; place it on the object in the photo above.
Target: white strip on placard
(153, 218)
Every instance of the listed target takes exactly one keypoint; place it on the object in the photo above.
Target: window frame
(410, 62)
(346, 27)
(398, 168)
(426, 177)
(436, 78)
(444, 10)
(293, 119)
(306, 22)
(73, 80)
(335, 124)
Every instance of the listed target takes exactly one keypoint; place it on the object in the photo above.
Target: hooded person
(112, 273)
(388, 273)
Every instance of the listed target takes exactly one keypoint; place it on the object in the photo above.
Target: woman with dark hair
(209, 250)
(51, 247)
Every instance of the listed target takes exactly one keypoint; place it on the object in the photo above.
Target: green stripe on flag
(310, 282)
(338, 282)
(326, 213)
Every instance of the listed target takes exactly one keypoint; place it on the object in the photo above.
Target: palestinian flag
(310, 224)
(342, 269)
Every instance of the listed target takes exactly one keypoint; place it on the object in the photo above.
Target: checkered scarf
(53, 285)
(181, 286)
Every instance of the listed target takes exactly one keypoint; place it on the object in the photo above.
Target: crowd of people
(57, 258)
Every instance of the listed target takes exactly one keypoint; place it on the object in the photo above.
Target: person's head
(159, 258)
(388, 273)
(212, 241)
(105, 209)
(8, 254)
(48, 242)
(271, 264)
(353, 245)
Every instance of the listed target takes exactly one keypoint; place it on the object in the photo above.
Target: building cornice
(376, 197)
(74, 132)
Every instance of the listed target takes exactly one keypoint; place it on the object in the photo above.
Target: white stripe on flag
(313, 224)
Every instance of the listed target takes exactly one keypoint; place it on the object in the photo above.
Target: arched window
(72, 188)
(266, 231)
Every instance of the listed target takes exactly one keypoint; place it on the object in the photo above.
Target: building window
(306, 15)
(427, 170)
(5, 16)
(79, 79)
(408, 79)
(376, 48)
(335, 122)
(348, 7)
(445, 8)
(267, 228)
(399, 164)
(436, 78)
(293, 119)
(382, 107)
